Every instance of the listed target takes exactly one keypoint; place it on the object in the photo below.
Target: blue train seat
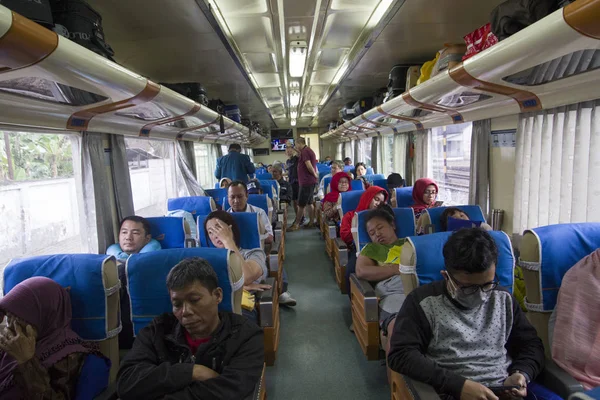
(402, 197)
(348, 168)
(357, 184)
(323, 173)
(326, 183)
(94, 289)
(147, 274)
(195, 205)
(380, 182)
(370, 171)
(372, 177)
(264, 176)
(433, 215)
(270, 187)
(348, 201)
(248, 224)
(171, 232)
(405, 226)
(547, 253)
(218, 195)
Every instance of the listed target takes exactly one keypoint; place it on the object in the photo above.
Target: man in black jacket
(195, 352)
(465, 333)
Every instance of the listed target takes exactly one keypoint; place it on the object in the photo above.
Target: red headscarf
(334, 194)
(46, 306)
(419, 191)
(363, 204)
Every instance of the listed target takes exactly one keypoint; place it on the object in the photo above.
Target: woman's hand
(225, 235)
(18, 344)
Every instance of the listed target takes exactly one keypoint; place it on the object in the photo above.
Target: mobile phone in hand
(502, 389)
(438, 203)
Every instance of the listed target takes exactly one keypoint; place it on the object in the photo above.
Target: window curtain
(422, 166)
(218, 150)
(96, 202)
(557, 166)
(339, 150)
(187, 184)
(401, 142)
(479, 181)
(120, 177)
(348, 150)
(376, 154)
(356, 152)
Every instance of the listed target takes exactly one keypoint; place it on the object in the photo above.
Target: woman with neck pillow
(134, 238)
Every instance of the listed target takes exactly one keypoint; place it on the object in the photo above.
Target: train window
(40, 195)
(364, 151)
(152, 171)
(44, 89)
(206, 162)
(450, 156)
(566, 66)
(146, 112)
(399, 154)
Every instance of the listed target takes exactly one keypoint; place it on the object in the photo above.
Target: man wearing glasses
(465, 334)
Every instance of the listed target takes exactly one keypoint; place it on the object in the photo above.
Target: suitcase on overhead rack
(191, 90)
(347, 112)
(36, 10)
(363, 105)
(78, 21)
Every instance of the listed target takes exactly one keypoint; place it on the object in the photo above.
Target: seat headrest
(404, 197)
(357, 185)
(249, 229)
(372, 177)
(429, 258)
(260, 201)
(264, 176)
(380, 182)
(87, 275)
(435, 213)
(405, 225)
(168, 231)
(348, 201)
(196, 205)
(146, 281)
(326, 181)
(558, 247)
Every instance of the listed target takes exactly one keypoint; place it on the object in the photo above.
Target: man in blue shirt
(235, 165)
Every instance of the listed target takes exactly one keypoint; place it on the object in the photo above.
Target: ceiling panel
(343, 28)
(252, 34)
(354, 5)
(260, 62)
(246, 7)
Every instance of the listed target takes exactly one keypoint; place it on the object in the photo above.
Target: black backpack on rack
(76, 20)
(193, 91)
(217, 106)
(36, 10)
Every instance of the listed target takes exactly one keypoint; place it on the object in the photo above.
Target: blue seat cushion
(404, 197)
(195, 205)
(350, 200)
(405, 225)
(168, 231)
(248, 224)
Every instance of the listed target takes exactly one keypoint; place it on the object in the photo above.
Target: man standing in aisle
(235, 165)
(308, 178)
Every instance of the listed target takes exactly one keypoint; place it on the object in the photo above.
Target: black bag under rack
(36, 10)
(193, 91)
(79, 22)
(217, 106)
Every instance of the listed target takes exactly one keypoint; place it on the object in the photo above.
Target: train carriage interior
(316, 124)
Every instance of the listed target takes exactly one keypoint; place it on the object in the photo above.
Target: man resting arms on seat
(134, 237)
(195, 352)
(465, 332)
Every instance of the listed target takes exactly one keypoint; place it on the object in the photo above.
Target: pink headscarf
(576, 339)
(46, 306)
(419, 191)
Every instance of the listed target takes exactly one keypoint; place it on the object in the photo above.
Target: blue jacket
(235, 166)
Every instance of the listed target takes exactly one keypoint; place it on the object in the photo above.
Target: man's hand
(517, 379)
(476, 391)
(269, 239)
(257, 287)
(202, 373)
(18, 344)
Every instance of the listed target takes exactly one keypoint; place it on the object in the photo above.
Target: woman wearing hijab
(340, 183)
(424, 193)
(372, 198)
(40, 356)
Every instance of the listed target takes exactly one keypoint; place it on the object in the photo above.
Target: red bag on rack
(479, 40)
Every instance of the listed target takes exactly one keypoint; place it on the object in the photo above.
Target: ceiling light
(379, 13)
(265, 101)
(293, 114)
(294, 84)
(274, 60)
(293, 122)
(294, 99)
(324, 99)
(297, 58)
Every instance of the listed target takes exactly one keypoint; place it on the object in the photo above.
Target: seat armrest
(367, 292)
(420, 390)
(342, 250)
(110, 393)
(265, 303)
(558, 380)
(332, 229)
(278, 225)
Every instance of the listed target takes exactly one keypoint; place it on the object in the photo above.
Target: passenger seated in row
(340, 183)
(134, 238)
(465, 333)
(40, 356)
(424, 193)
(372, 198)
(347, 161)
(336, 166)
(195, 352)
(575, 334)
(237, 195)
(457, 213)
(224, 233)
(379, 262)
(224, 183)
(285, 189)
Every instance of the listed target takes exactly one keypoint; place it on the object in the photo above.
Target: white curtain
(120, 177)
(400, 154)
(423, 167)
(557, 167)
(356, 152)
(479, 181)
(187, 184)
(339, 148)
(376, 155)
(348, 146)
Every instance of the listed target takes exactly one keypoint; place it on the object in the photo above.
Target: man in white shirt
(336, 166)
(237, 195)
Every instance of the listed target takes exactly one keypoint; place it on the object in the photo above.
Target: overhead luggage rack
(572, 30)
(49, 82)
